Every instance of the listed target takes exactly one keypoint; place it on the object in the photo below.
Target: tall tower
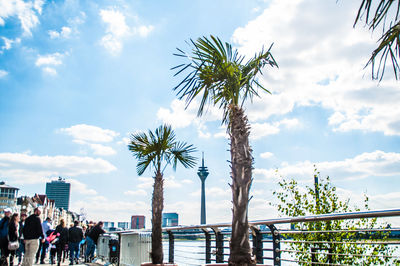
(203, 173)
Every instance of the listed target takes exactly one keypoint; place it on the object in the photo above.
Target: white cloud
(89, 133)
(213, 192)
(117, 30)
(81, 188)
(100, 149)
(139, 192)
(48, 62)
(325, 69)
(8, 43)
(24, 168)
(266, 155)
(100, 208)
(144, 31)
(377, 164)
(90, 136)
(3, 73)
(259, 130)
(65, 33)
(27, 13)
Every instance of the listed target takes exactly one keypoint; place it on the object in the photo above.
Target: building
(124, 225)
(59, 191)
(170, 219)
(108, 225)
(137, 222)
(8, 196)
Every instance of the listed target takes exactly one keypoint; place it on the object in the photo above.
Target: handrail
(300, 219)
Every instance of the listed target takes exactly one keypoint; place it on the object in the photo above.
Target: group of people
(27, 238)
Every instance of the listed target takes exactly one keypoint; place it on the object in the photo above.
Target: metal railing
(307, 240)
(286, 241)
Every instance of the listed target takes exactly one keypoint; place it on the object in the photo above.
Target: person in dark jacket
(91, 240)
(75, 238)
(13, 235)
(62, 239)
(32, 232)
(3, 236)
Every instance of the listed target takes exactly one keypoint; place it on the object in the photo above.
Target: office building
(137, 222)
(108, 225)
(59, 191)
(170, 219)
(8, 196)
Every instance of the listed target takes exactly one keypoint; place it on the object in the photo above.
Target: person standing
(75, 238)
(62, 239)
(46, 226)
(3, 236)
(32, 232)
(91, 240)
(13, 234)
(21, 249)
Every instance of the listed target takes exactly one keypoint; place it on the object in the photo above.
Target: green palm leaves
(218, 75)
(389, 42)
(154, 149)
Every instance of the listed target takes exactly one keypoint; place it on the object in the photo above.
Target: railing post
(219, 244)
(208, 245)
(257, 244)
(276, 244)
(171, 247)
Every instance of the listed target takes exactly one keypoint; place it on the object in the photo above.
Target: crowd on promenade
(28, 239)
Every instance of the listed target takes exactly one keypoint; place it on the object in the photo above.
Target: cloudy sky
(77, 77)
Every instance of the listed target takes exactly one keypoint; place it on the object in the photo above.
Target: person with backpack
(75, 238)
(3, 236)
(62, 239)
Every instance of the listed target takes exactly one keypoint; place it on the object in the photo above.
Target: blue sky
(77, 77)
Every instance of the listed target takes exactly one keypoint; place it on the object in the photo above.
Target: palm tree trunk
(157, 208)
(241, 167)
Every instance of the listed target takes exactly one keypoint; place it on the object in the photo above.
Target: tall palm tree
(219, 76)
(385, 13)
(158, 150)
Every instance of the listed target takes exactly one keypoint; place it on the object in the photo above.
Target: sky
(78, 77)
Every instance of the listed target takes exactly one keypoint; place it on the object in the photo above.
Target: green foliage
(153, 149)
(339, 237)
(389, 42)
(218, 75)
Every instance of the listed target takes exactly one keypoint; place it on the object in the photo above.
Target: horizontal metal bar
(314, 263)
(293, 232)
(389, 242)
(300, 219)
(340, 254)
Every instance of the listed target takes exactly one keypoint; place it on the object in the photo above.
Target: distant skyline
(78, 77)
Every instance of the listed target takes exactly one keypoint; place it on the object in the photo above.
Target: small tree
(322, 199)
(158, 150)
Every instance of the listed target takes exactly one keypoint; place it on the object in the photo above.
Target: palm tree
(389, 42)
(218, 76)
(158, 150)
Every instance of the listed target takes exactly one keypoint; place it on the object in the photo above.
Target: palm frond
(160, 147)
(218, 76)
(389, 41)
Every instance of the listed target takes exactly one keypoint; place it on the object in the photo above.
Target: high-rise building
(170, 219)
(137, 222)
(8, 196)
(59, 191)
